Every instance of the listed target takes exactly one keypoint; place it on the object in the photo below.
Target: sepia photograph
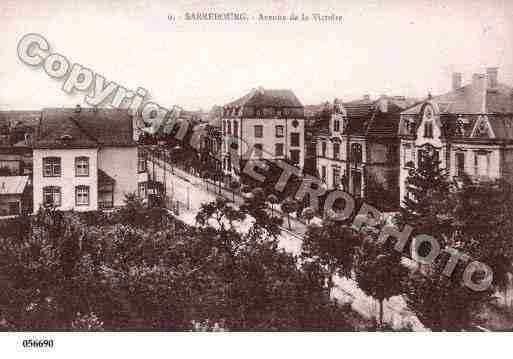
(282, 170)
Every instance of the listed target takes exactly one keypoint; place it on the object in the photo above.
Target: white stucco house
(269, 124)
(84, 159)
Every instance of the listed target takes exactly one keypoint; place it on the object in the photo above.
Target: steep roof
(365, 116)
(87, 128)
(471, 99)
(263, 97)
(13, 184)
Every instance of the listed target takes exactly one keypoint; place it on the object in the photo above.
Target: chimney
(78, 108)
(456, 80)
(383, 105)
(492, 74)
(366, 97)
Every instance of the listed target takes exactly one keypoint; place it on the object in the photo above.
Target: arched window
(52, 196)
(82, 166)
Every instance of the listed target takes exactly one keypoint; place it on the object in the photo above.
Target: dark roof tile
(85, 128)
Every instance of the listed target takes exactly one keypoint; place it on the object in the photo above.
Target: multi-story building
(84, 159)
(470, 129)
(359, 151)
(269, 124)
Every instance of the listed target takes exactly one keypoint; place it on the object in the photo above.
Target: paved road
(191, 192)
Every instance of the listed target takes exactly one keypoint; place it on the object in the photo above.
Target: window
(324, 149)
(52, 196)
(392, 155)
(336, 176)
(428, 130)
(278, 149)
(235, 129)
(82, 166)
(356, 152)
(279, 131)
(336, 125)
(294, 156)
(82, 195)
(51, 167)
(228, 128)
(141, 187)
(323, 174)
(294, 139)
(336, 150)
(460, 164)
(481, 164)
(141, 162)
(259, 131)
(258, 149)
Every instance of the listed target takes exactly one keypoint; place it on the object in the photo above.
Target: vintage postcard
(265, 166)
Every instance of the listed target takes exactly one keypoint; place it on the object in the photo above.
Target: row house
(470, 129)
(84, 159)
(359, 151)
(270, 125)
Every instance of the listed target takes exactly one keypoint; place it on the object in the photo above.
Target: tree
(443, 303)
(68, 273)
(332, 245)
(234, 185)
(483, 227)
(308, 214)
(255, 205)
(272, 199)
(288, 206)
(428, 205)
(380, 273)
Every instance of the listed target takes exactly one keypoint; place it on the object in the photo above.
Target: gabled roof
(13, 184)
(87, 128)
(365, 117)
(502, 127)
(470, 99)
(271, 98)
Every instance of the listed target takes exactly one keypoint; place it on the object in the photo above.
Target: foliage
(428, 205)
(332, 245)
(288, 206)
(255, 205)
(380, 273)
(443, 303)
(308, 214)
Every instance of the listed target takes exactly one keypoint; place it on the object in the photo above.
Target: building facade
(267, 124)
(470, 129)
(84, 159)
(358, 152)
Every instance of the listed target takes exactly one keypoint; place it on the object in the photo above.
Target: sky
(394, 47)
